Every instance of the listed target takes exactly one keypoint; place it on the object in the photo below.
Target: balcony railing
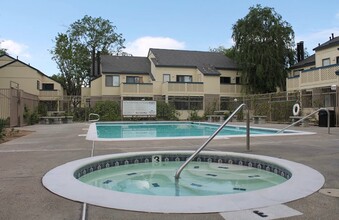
(182, 87)
(136, 89)
(317, 77)
(49, 94)
(234, 89)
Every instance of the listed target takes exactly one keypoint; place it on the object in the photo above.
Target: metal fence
(278, 107)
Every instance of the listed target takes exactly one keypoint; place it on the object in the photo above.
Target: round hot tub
(212, 182)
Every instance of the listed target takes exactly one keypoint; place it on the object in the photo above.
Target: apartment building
(317, 77)
(191, 80)
(21, 85)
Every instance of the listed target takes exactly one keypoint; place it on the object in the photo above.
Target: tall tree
(74, 50)
(229, 52)
(2, 50)
(263, 49)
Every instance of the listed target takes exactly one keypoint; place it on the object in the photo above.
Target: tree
(73, 62)
(263, 49)
(74, 50)
(229, 52)
(2, 50)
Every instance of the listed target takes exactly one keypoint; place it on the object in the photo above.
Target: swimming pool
(111, 131)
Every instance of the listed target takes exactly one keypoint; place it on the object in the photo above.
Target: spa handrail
(307, 116)
(177, 174)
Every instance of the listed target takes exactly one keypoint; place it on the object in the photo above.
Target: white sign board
(139, 108)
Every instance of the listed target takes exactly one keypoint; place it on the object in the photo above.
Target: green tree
(74, 50)
(73, 63)
(263, 49)
(229, 52)
(2, 50)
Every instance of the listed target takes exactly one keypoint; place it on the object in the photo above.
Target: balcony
(230, 89)
(136, 89)
(47, 95)
(176, 88)
(312, 78)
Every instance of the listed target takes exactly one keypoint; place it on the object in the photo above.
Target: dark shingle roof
(327, 44)
(207, 62)
(309, 61)
(125, 64)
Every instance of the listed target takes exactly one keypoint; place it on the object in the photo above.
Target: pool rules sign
(139, 108)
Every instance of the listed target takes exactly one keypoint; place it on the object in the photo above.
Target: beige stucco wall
(26, 78)
(5, 60)
(96, 86)
(331, 53)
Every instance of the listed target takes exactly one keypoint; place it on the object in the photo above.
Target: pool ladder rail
(307, 116)
(178, 172)
(95, 119)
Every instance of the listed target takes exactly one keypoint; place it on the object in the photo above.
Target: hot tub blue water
(198, 179)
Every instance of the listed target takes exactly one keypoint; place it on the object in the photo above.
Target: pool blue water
(197, 179)
(170, 129)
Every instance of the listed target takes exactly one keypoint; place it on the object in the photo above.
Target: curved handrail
(93, 120)
(307, 116)
(177, 174)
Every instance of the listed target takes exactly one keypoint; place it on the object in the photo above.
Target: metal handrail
(177, 174)
(93, 120)
(307, 116)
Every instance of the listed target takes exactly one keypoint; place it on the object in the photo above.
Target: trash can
(323, 118)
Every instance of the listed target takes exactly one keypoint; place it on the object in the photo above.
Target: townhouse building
(317, 77)
(190, 80)
(23, 86)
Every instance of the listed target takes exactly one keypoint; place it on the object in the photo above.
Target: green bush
(42, 109)
(30, 118)
(81, 114)
(2, 128)
(108, 110)
(166, 111)
(194, 116)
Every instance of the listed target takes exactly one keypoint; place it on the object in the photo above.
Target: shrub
(30, 118)
(81, 114)
(166, 111)
(108, 110)
(2, 128)
(194, 116)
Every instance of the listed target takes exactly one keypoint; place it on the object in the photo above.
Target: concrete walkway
(25, 160)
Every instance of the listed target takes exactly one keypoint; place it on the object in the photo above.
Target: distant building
(191, 80)
(29, 83)
(317, 76)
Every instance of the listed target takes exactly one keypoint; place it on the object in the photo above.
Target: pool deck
(25, 160)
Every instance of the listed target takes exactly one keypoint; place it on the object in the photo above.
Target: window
(184, 78)
(166, 77)
(337, 60)
(48, 86)
(326, 62)
(38, 85)
(186, 102)
(225, 80)
(134, 79)
(112, 81)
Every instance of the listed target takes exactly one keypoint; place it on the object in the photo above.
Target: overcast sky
(28, 28)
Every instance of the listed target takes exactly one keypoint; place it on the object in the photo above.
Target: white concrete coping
(304, 181)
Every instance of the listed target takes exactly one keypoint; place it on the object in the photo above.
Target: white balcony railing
(182, 88)
(317, 77)
(232, 89)
(136, 89)
(49, 94)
